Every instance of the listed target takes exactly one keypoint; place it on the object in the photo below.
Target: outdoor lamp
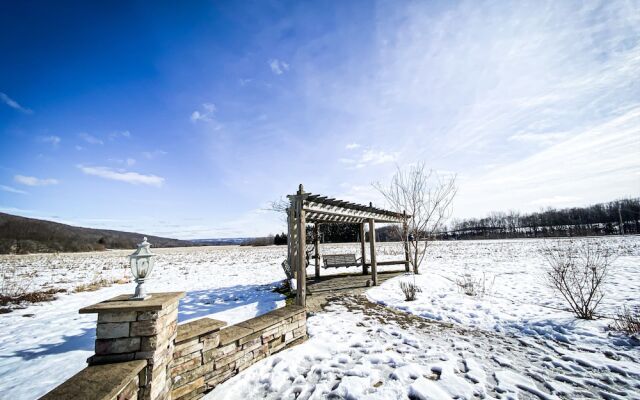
(141, 265)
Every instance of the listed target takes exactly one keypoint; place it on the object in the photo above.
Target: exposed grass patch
(474, 286)
(627, 320)
(14, 290)
(92, 286)
(285, 290)
(99, 283)
(28, 297)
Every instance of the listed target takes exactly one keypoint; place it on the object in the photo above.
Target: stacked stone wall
(141, 353)
(204, 360)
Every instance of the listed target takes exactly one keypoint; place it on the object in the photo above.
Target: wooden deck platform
(318, 289)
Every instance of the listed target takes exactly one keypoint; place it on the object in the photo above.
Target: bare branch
(280, 206)
(426, 197)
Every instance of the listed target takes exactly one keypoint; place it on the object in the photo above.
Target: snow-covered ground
(517, 300)
(366, 351)
(46, 343)
(514, 341)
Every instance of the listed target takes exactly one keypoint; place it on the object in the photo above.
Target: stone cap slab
(99, 382)
(288, 311)
(261, 322)
(233, 333)
(156, 302)
(198, 327)
(271, 318)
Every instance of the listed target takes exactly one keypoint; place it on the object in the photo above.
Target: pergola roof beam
(330, 215)
(320, 208)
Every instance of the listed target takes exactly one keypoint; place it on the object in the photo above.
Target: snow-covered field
(516, 341)
(46, 343)
(360, 351)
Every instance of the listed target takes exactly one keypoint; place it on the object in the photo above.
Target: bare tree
(280, 206)
(578, 273)
(426, 197)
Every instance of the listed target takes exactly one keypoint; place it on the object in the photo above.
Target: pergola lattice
(313, 208)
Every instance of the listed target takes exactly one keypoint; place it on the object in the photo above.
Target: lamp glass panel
(143, 267)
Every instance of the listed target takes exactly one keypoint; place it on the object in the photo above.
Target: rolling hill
(20, 235)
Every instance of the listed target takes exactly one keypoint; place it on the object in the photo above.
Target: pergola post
(301, 282)
(291, 240)
(405, 239)
(316, 245)
(365, 270)
(372, 244)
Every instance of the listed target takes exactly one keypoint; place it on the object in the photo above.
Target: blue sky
(186, 120)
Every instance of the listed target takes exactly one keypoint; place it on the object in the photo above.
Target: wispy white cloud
(33, 181)
(199, 116)
(599, 164)
(546, 138)
(53, 140)
(10, 189)
(127, 161)
(150, 155)
(278, 67)
(133, 178)
(206, 114)
(119, 134)
(352, 146)
(360, 194)
(90, 138)
(463, 87)
(377, 157)
(370, 157)
(4, 98)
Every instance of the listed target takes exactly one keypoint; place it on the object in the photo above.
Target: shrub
(14, 289)
(578, 273)
(474, 286)
(13, 286)
(627, 320)
(410, 290)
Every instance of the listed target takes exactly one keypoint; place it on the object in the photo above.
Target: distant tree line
(597, 219)
(259, 241)
(280, 239)
(332, 233)
(329, 233)
(610, 218)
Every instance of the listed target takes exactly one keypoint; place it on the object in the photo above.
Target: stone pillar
(139, 330)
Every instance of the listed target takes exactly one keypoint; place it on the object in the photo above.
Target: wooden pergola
(313, 208)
